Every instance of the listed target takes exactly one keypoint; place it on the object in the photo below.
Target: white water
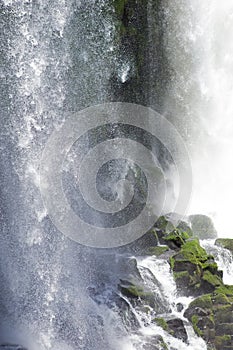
(160, 269)
(200, 50)
(223, 257)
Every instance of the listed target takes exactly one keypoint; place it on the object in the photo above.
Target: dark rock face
(177, 328)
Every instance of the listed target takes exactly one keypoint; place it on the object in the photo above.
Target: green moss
(177, 236)
(172, 262)
(164, 345)
(193, 252)
(157, 251)
(204, 302)
(185, 227)
(195, 321)
(181, 275)
(119, 7)
(213, 280)
(163, 224)
(161, 323)
(220, 298)
(135, 291)
(212, 267)
(153, 232)
(225, 289)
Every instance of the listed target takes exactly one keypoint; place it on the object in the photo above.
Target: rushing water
(62, 56)
(200, 52)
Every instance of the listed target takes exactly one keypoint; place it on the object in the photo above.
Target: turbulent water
(62, 56)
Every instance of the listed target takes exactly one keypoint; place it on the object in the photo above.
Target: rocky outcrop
(212, 318)
(195, 271)
(175, 327)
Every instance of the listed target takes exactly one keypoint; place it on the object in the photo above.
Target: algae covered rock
(157, 251)
(175, 327)
(137, 292)
(212, 317)
(202, 226)
(176, 238)
(170, 235)
(195, 271)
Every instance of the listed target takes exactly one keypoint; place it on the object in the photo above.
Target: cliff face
(140, 44)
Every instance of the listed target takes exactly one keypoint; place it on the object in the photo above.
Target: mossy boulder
(195, 271)
(163, 226)
(226, 243)
(175, 327)
(212, 317)
(170, 235)
(184, 226)
(157, 251)
(137, 293)
(176, 238)
(202, 227)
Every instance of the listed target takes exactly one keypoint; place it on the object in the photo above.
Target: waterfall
(223, 258)
(160, 269)
(51, 65)
(61, 57)
(200, 51)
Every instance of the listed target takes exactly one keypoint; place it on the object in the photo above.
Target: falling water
(200, 52)
(51, 65)
(223, 258)
(60, 57)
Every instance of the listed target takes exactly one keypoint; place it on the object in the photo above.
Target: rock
(202, 227)
(157, 251)
(180, 307)
(155, 343)
(226, 243)
(137, 293)
(163, 226)
(141, 246)
(184, 226)
(194, 270)
(212, 316)
(176, 238)
(175, 327)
